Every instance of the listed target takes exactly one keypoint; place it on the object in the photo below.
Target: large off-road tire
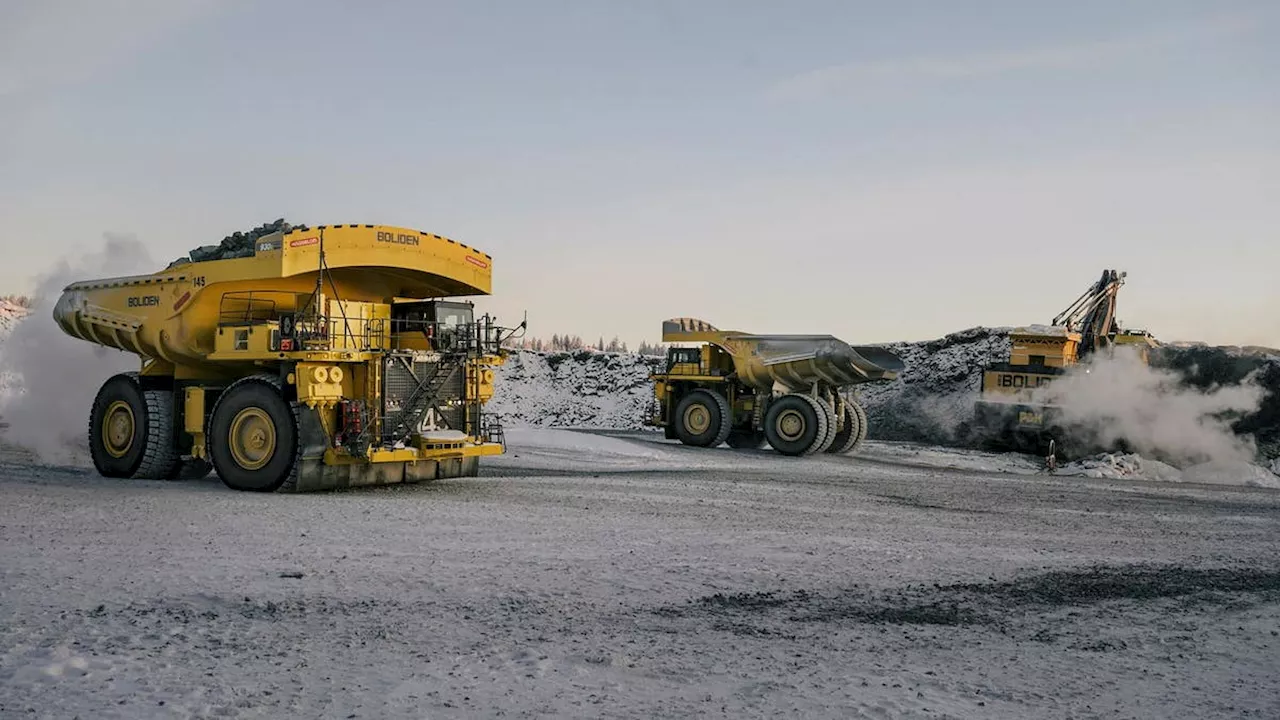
(131, 430)
(795, 425)
(745, 439)
(702, 418)
(831, 427)
(863, 423)
(253, 436)
(851, 434)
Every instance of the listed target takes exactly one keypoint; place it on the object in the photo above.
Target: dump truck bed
(796, 360)
(792, 360)
(174, 314)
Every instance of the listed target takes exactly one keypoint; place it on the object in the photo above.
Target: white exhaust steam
(55, 376)
(1117, 397)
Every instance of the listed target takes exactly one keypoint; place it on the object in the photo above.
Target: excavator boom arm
(1093, 313)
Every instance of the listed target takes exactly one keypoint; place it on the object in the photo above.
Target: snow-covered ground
(550, 448)
(588, 576)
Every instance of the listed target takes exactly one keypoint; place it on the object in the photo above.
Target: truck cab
(435, 325)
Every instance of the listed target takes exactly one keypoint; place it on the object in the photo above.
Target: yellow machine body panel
(1013, 385)
(1140, 342)
(1043, 346)
(1038, 355)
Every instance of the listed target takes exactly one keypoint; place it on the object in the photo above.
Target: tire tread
(823, 437)
(160, 458)
(862, 424)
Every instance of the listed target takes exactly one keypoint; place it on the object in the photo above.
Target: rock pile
(575, 389)
(930, 399)
(236, 245)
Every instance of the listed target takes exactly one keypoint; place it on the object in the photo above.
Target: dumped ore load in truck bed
(237, 244)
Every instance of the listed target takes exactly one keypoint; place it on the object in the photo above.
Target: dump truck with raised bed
(744, 389)
(318, 358)
(1011, 412)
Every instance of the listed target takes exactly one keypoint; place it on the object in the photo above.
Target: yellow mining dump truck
(744, 389)
(1009, 415)
(324, 359)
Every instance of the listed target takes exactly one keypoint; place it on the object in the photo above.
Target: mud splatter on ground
(993, 603)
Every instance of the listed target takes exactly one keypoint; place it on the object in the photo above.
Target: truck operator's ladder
(422, 399)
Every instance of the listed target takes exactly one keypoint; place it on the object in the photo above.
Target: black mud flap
(315, 476)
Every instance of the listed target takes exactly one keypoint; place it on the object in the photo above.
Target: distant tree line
(571, 343)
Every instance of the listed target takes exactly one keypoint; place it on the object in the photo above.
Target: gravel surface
(590, 584)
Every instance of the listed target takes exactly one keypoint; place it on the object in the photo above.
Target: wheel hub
(252, 438)
(790, 425)
(697, 419)
(117, 429)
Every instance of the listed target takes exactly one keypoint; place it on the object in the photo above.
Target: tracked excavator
(1008, 416)
(321, 358)
(790, 391)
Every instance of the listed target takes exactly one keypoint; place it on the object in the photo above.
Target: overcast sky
(877, 171)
